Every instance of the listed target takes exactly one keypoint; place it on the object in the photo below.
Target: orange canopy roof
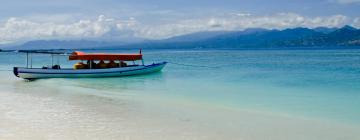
(102, 56)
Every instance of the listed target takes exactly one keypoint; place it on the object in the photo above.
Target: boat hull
(34, 73)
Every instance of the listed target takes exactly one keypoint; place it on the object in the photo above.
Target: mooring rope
(189, 65)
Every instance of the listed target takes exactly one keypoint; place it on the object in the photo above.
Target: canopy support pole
(52, 60)
(58, 60)
(142, 60)
(31, 61)
(90, 64)
(27, 59)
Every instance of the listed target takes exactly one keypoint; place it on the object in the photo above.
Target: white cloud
(243, 14)
(17, 29)
(356, 22)
(278, 21)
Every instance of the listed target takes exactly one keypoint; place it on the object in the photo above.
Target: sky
(24, 20)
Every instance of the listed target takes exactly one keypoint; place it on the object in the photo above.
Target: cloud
(17, 29)
(234, 22)
(243, 14)
(356, 22)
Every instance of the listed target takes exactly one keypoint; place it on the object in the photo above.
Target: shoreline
(76, 114)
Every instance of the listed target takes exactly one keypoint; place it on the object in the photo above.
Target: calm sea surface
(315, 84)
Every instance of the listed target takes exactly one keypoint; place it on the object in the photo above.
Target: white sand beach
(51, 113)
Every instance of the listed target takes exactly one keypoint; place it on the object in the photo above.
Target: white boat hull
(37, 73)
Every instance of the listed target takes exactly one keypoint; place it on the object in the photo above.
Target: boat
(109, 65)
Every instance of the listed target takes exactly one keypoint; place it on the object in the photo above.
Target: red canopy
(102, 56)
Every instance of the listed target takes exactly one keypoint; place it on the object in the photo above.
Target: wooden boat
(90, 69)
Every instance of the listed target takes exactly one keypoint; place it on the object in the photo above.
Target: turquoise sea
(200, 94)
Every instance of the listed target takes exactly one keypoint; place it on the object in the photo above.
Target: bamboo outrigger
(116, 66)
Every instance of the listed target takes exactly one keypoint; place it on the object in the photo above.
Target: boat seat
(123, 64)
(112, 64)
(79, 65)
(56, 67)
(101, 65)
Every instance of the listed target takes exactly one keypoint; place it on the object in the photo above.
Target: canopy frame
(29, 57)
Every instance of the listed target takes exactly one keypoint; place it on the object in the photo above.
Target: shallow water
(233, 94)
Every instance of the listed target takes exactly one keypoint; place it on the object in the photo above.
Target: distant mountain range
(346, 36)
